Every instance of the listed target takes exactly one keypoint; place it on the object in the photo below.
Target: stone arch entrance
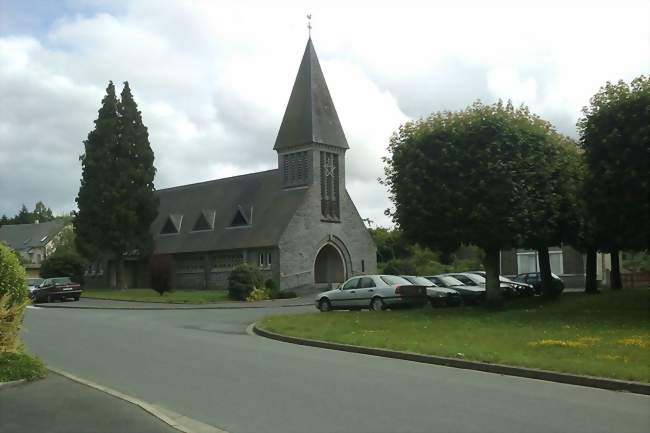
(329, 266)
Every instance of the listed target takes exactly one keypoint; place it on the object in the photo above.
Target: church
(296, 223)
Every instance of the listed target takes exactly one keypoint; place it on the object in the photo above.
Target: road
(202, 364)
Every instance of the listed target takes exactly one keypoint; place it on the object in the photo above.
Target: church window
(329, 185)
(363, 266)
(268, 259)
(261, 259)
(294, 169)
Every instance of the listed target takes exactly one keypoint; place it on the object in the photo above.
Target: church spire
(310, 116)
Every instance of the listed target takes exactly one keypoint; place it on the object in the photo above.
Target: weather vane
(309, 24)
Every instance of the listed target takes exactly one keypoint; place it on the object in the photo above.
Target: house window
(529, 262)
(268, 259)
(363, 266)
(261, 259)
(329, 185)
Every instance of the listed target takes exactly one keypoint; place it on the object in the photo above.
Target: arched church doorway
(329, 267)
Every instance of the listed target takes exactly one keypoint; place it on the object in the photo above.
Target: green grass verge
(605, 335)
(149, 295)
(16, 366)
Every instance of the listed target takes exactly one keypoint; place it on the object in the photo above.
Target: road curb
(175, 420)
(12, 383)
(530, 373)
(170, 308)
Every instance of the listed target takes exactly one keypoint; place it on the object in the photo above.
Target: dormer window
(172, 225)
(205, 221)
(242, 218)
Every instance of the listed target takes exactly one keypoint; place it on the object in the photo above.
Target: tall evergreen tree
(24, 216)
(116, 199)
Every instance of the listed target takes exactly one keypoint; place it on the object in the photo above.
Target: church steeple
(310, 117)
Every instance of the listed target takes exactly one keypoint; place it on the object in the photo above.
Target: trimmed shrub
(64, 264)
(13, 299)
(13, 280)
(160, 273)
(258, 294)
(242, 280)
(272, 288)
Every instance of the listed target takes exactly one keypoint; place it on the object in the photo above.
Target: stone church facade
(297, 223)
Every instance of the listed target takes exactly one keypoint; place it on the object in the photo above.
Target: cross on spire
(309, 24)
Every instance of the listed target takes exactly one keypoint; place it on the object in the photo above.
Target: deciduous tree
(467, 177)
(615, 134)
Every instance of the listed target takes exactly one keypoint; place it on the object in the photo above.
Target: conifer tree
(116, 199)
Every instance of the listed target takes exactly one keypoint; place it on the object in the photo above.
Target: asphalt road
(58, 405)
(202, 364)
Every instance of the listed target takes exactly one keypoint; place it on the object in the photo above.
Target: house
(566, 262)
(297, 222)
(34, 242)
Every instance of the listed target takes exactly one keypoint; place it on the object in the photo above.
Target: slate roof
(310, 116)
(266, 206)
(25, 236)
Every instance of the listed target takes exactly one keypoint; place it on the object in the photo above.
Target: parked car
(376, 292)
(470, 294)
(510, 288)
(56, 288)
(33, 283)
(535, 280)
(438, 296)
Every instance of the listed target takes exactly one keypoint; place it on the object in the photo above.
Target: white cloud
(212, 82)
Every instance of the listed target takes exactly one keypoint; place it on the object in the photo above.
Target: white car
(376, 292)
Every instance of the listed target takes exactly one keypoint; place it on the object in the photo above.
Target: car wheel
(377, 304)
(324, 305)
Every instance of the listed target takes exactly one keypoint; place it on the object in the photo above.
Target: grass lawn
(15, 366)
(150, 295)
(604, 335)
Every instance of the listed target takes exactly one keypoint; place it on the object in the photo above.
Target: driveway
(203, 364)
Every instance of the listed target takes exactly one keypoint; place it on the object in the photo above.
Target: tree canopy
(615, 136)
(471, 177)
(41, 213)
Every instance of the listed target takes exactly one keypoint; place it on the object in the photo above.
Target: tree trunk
(492, 285)
(616, 270)
(548, 291)
(591, 285)
(119, 272)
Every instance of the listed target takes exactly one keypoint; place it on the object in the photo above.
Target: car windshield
(420, 281)
(392, 280)
(475, 277)
(505, 280)
(449, 281)
(62, 280)
(34, 281)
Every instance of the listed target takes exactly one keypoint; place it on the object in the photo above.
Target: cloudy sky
(212, 82)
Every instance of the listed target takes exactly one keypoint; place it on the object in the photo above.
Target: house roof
(265, 205)
(25, 236)
(310, 116)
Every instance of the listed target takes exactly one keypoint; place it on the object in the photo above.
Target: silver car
(376, 292)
